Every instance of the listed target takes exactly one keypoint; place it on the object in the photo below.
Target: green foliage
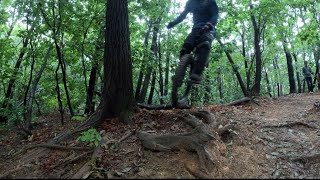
(90, 136)
(78, 118)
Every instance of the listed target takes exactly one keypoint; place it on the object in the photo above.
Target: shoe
(195, 78)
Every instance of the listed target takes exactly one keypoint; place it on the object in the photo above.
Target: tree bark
(117, 95)
(257, 50)
(292, 82)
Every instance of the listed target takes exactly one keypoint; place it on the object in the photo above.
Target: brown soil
(275, 138)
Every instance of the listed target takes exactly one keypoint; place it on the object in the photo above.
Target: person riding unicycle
(205, 17)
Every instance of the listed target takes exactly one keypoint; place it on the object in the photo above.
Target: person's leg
(189, 43)
(203, 50)
(309, 83)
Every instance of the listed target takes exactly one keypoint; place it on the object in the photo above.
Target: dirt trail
(279, 138)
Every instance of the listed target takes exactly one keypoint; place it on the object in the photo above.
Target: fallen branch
(291, 124)
(242, 101)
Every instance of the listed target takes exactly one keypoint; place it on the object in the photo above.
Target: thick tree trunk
(117, 95)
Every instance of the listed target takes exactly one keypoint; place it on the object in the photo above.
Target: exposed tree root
(155, 107)
(194, 141)
(242, 101)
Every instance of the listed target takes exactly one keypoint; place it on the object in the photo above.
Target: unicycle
(181, 85)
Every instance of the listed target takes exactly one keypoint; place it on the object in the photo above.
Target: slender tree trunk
(117, 95)
(166, 77)
(235, 70)
(297, 72)
(59, 95)
(220, 85)
(277, 71)
(142, 68)
(8, 94)
(268, 83)
(30, 80)
(154, 50)
(316, 54)
(153, 85)
(160, 75)
(33, 90)
(207, 88)
(90, 105)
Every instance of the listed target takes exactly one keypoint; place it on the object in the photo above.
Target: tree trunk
(207, 90)
(235, 70)
(297, 72)
(154, 49)
(292, 81)
(257, 51)
(161, 89)
(33, 90)
(166, 77)
(316, 54)
(220, 86)
(276, 68)
(90, 105)
(8, 94)
(268, 83)
(117, 96)
(142, 68)
(153, 84)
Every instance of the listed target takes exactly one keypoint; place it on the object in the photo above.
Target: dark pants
(309, 83)
(201, 41)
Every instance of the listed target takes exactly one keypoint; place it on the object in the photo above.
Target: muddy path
(272, 138)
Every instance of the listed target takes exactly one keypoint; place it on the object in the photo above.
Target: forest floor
(272, 138)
